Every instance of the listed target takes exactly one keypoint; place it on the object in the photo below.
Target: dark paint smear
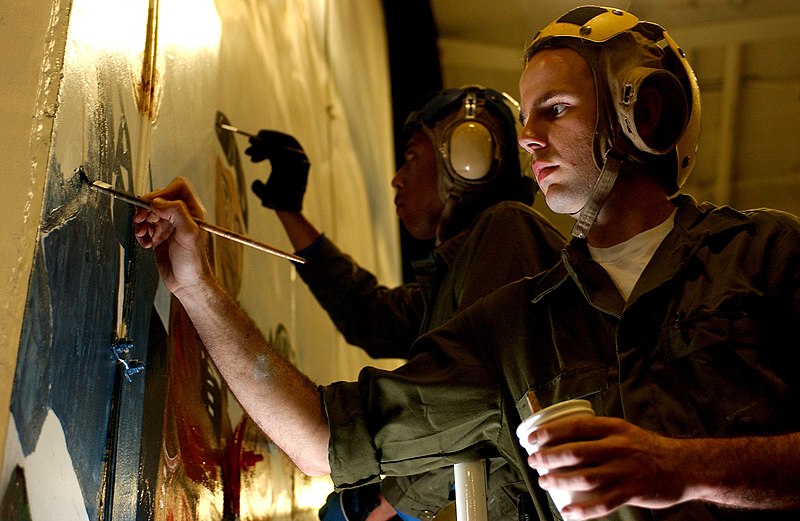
(65, 361)
(153, 418)
(15, 499)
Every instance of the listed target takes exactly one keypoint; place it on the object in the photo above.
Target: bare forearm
(619, 463)
(282, 401)
(749, 473)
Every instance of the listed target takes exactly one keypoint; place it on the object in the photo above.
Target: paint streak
(196, 430)
(147, 89)
(76, 197)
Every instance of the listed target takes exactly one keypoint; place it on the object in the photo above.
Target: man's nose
(531, 138)
(397, 179)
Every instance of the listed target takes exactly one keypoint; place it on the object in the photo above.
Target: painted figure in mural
(462, 186)
(669, 316)
(202, 457)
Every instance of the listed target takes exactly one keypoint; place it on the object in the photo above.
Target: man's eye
(558, 108)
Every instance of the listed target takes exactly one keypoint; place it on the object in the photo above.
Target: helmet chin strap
(453, 198)
(608, 176)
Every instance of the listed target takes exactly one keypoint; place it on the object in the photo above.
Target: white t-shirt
(626, 261)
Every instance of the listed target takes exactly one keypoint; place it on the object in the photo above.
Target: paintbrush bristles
(82, 174)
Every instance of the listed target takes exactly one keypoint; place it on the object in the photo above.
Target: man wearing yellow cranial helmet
(628, 56)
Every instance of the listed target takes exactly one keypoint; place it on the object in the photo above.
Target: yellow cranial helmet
(627, 55)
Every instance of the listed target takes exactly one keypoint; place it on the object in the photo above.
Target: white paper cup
(548, 414)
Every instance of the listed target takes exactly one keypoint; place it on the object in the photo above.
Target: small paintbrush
(216, 230)
(236, 130)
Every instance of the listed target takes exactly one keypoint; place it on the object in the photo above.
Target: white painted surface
(53, 488)
(52, 485)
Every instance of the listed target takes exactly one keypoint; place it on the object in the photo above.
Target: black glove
(286, 184)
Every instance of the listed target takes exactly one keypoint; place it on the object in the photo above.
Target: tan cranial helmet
(474, 132)
(627, 55)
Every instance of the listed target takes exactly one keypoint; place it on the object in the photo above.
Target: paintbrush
(100, 186)
(236, 130)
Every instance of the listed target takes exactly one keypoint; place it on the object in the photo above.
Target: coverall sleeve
(440, 408)
(508, 242)
(382, 321)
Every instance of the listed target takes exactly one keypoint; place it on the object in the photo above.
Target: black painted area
(14, 505)
(65, 362)
(156, 378)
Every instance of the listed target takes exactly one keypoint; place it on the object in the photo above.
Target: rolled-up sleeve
(351, 453)
(440, 408)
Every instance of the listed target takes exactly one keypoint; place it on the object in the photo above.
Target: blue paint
(65, 362)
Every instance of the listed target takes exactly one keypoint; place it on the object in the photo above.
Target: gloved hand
(286, 184)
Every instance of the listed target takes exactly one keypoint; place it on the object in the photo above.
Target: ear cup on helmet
(674, 112)
(471, 150)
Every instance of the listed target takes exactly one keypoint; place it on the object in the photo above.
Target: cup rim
(552, 412)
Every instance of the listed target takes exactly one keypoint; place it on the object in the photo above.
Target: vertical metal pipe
(731, 81)
(470, 479)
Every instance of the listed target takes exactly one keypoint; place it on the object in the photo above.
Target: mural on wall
(116, 412)
(91, 287)
(215, 463)
(96, 364)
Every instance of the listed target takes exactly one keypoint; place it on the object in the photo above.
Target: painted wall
(131, 91)
(25, 139)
